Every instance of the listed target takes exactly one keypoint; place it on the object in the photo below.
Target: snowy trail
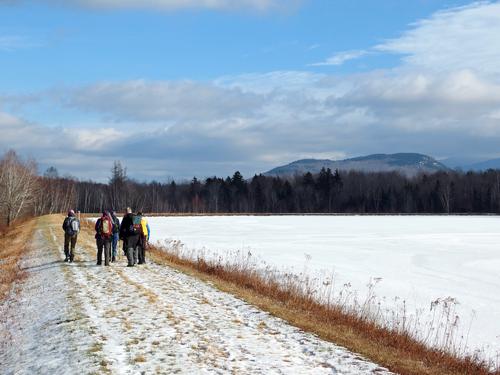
(42, 329)
(148, 319)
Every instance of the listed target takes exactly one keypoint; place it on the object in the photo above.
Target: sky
(183, 88)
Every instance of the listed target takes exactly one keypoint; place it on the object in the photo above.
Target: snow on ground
(83, 318)
(418, 258)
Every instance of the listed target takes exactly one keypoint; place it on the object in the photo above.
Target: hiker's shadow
(41, 267)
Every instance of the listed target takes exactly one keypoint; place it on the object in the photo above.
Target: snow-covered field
(418, 258)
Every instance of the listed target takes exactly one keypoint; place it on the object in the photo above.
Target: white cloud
(95, 139)
(426, 102)
(342, 57)
(161, 101)
(459, 38)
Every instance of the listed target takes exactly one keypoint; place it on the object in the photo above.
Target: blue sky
(198, 87)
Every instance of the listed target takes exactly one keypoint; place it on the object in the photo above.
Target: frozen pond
(418, 258)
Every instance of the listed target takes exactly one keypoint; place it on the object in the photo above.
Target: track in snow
(147, 319)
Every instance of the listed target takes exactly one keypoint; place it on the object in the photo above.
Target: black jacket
(98, 229)
(126, 228)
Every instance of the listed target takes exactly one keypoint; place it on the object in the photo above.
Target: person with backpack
(71, 227)
(116, 235)
(130, 235)
(103, 237)
(144, 238)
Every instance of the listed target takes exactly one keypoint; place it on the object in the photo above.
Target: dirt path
(81, 318)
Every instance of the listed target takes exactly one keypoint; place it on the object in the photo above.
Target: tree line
(22, 191)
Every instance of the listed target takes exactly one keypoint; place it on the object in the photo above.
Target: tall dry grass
(14, 243)
(401, 341)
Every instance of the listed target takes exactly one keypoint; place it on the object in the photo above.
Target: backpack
(106, 226)
(136, 224)
(116, 224)
(72, 226)
(75, 225)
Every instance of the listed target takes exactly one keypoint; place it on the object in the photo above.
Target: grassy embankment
(289, 300)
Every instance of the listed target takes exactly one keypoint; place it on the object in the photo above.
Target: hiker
(116, 235)
(71, 227)
(144, 238)
(130, 235)
(103, 237)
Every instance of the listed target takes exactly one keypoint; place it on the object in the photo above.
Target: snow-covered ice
(418, 258)
(82, 318)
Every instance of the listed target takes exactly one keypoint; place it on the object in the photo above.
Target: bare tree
(118, 186)
(17, 185)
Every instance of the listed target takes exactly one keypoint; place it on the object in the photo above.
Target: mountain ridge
(409, 164)
(482, 165)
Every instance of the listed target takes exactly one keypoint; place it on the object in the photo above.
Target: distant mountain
(407, 163)
(482, 166)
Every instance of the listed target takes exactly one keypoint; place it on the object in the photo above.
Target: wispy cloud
(15, 42)
(341, 57)
(458, 38)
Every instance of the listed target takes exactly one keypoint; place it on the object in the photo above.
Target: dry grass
(87, 225)
(395, 349)
(140, 359)
(14, 243)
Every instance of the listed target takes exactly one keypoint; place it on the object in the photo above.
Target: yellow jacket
(145, 228)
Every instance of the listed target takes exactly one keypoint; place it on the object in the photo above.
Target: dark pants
(143, 244)
(114, 243)
(141, 253)
(131, 245)
(69, 252)
(103, 244)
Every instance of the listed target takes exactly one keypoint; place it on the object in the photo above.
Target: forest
(25, 192)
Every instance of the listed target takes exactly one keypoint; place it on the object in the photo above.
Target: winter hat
(71, 213)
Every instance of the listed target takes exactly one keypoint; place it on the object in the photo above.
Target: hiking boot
(98, 264)
(113, 259)
(66, 259)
